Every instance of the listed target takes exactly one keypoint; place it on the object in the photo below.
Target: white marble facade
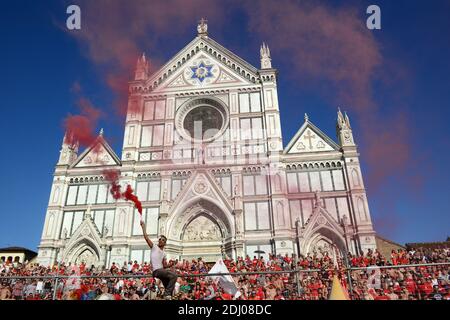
(203, 149)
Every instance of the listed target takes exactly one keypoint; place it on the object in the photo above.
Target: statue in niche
(345, 220)
(162, 223)
(318, 199)
(65, 233)
(105, 230)
(238, 223)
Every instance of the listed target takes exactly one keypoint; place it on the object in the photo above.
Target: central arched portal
(324, 240)
(202, 237)
(201, 228)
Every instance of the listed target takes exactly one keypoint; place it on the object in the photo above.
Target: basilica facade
(204, 152)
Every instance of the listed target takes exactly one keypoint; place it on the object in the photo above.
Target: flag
(337, 291)
(226, 281)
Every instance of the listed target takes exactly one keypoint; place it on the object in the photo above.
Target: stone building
(204, 151)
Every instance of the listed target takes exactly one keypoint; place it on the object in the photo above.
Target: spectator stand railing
(296, 271)
(349, 279)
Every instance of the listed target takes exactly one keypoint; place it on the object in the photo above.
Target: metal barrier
(296, 272)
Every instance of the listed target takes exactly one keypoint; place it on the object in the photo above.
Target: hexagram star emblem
(202, 72)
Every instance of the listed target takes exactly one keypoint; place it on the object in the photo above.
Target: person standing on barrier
(159, 263)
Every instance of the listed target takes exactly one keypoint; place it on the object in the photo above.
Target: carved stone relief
(202, 229)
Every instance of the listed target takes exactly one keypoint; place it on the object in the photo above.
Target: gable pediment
(202, 185)
(202, 71)
(86, 230)
(321, 218)
(99, 154)
(309, 139)
(226, 68)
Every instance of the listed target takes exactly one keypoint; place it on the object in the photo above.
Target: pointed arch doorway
(202, 237)
(201, 228)
(83, 250)
(325, 240)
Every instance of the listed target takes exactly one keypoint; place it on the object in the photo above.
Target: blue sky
(40, 63)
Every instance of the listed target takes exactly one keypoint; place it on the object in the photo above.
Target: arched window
(362, 209)
(16, 259)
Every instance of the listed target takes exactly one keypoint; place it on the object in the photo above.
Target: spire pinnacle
(306, 117)
(266, 61)
(142, 68)
(101, 132)
(347, 120)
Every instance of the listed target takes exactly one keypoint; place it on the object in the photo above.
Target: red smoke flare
(128, 195)
(112, 176)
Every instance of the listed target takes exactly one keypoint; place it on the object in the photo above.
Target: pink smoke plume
(331, 48)
(333, 53)
(112, 176)
(115, 33)
(81, 128)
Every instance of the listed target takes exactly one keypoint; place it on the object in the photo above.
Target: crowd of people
(313, 281)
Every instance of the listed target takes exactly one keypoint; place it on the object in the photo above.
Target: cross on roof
(202, 27)
(310, 136)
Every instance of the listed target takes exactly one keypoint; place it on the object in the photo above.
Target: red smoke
(115, 33)
(128, 195)
(81, 128)
(331, 50)
(112, 175)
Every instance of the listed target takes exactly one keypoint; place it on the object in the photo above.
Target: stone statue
(105, 230)
(88, 214)
(344, 220)
(64, 233)
(202, 27)
(238, 223)
(318, 201)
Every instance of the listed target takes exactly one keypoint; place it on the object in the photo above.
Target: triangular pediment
(308, 139)
(98, 154)
(321, 218)
(220, 66)
(86, 232)
(202, 185)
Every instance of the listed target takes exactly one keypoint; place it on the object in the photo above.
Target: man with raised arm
(159, 263)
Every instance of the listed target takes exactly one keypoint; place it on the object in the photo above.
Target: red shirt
(411, 285)
(226, 296)
(260, 294)
(426, 287)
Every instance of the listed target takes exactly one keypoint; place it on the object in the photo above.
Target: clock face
(203, 122)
